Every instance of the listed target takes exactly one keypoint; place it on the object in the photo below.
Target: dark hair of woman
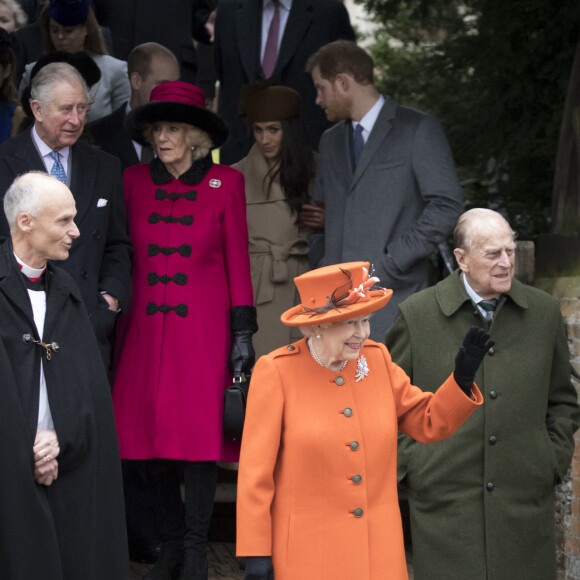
(8, 90)
(296, 167)
(94, 42)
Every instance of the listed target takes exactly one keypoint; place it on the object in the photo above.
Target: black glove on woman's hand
(259, 568)
(242, 355)
(243, 324)
(471, 353)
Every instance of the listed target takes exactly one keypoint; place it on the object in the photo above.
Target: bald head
(485, 251)
(475, 222)
(40, 211)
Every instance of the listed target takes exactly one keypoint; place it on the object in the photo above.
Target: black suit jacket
(110, 134)
(100, 259)
(171, 23)
(311, 24)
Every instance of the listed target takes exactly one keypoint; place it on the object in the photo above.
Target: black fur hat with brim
(177, 102)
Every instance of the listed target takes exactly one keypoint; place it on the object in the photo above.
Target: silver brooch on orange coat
(362, 368)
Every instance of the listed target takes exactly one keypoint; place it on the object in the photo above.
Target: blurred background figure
(247, 50)
(71, 26)
(12, 17)
(8, 92)
(191, 313)
(173, 23)
(279, 171)
(149, 65)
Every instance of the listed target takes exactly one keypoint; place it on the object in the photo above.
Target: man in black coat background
(305, 26)
(100, 262)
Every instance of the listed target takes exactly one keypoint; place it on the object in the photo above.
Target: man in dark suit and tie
(386, 176)
(257, 39)
(100, 261)
(149, 65)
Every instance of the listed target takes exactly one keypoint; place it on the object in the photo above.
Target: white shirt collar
(45, 150)
(475, 297)
(369, 120)
(285, 4)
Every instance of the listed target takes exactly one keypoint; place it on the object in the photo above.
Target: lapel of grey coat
(376, 139)
(248, 26)
(342, 164)
(299, 21)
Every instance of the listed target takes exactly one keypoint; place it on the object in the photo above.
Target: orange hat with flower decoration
(335, 293)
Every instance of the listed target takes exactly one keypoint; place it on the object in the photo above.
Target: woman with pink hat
(317, 483)
(191, 315)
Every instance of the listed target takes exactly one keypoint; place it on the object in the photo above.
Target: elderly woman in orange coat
(317, 486)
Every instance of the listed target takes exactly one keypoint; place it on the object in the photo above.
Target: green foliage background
(495, 73)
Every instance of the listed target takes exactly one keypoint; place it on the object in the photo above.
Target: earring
(193, 148)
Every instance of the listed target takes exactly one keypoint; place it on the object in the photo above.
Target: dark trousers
(184, 524)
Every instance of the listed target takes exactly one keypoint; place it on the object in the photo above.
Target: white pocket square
(102, 202)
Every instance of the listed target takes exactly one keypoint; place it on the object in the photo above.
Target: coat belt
(274, 268)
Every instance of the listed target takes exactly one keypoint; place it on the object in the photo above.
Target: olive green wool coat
(482, 502)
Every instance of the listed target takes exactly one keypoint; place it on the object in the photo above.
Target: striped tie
(57, 168)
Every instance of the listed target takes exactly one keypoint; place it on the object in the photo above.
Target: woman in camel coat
(317, 487)
(279, 171)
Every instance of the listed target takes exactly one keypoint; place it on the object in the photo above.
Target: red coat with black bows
(191, 265)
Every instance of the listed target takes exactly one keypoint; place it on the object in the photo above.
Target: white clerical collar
(29, 271)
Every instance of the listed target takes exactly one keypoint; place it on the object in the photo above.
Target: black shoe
(168, 565)
(195, 566)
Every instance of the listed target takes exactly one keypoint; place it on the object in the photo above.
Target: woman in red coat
(191, 311)
(317, 485)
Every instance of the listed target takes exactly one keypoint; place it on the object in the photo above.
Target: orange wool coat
(317, 485)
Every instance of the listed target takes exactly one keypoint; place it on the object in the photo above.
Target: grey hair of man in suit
(44, 83)
(60, 102)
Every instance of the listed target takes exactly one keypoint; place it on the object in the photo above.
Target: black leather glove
(475, 346)
(242, 355)
(259, 568)
(243, 324)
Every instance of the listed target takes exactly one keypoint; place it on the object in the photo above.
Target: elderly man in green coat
(482, 502)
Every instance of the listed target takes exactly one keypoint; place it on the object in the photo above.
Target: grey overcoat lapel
(376, 139)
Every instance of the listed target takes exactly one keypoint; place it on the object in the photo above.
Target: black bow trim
(186, 220)
(180, 278)
(154, 249)
(180, 309)
(161, 194)
(198, 170)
